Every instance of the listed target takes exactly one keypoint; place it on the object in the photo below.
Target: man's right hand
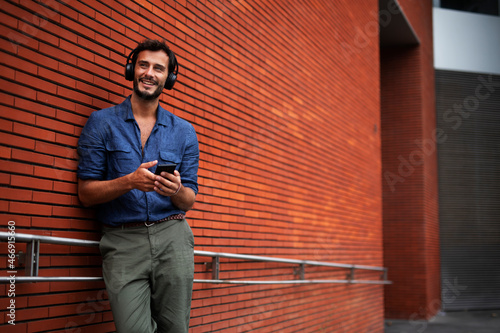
(142, 179)
(93, 192)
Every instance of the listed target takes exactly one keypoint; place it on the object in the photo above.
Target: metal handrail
(33, 254)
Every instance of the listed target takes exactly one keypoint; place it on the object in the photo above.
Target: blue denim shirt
(110, 147)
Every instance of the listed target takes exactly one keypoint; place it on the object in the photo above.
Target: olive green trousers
(149, 274)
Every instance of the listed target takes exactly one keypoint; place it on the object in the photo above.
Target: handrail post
(32, 258)
(300, 271)
(215, 267)
(384, 274)
(350, 275)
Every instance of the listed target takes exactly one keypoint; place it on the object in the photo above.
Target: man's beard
(145, 95)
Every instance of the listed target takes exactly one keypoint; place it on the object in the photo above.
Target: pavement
(449, 322)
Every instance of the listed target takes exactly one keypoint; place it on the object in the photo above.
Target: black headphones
(173, 68)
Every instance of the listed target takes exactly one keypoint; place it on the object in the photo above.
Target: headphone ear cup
(129, 72)
(169, 83)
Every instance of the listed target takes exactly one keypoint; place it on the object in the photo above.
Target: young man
(147, 245)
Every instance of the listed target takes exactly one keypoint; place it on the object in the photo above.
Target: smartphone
(170, 168)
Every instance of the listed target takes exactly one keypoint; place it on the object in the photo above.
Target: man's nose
(149, 71)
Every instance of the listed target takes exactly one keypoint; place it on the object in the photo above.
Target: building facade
(467, 65)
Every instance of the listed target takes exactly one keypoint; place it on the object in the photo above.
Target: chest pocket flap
(120, 159)
(169, 157)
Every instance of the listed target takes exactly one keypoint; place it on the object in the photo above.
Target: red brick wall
(411, 229)
(285, 100)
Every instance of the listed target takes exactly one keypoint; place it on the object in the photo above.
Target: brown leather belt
(150, 223)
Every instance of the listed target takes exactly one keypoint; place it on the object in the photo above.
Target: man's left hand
(168, 184)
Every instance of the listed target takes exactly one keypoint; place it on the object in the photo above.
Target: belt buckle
(148, 225)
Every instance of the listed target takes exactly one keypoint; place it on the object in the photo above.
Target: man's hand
(93, 192)
(142, 179)
(170, 185)
(167, 184)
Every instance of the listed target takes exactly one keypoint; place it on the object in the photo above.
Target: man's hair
(155, 45)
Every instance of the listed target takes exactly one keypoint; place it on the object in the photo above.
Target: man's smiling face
(151, 72)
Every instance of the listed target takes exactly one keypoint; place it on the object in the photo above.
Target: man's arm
(184, 199)
(93, 192)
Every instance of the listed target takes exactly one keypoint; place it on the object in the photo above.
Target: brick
(20, 90)
(7, 99)
(62, 34)
(31, 157)
(71, 118)
(30, 314)
(32, 107)
(35, 58)
(34, 132)
(42, 35)
(96, 26)
(57, 77)
(54, 124)
(72, 212)
(75, 72)
(92, 68)
(5, 152)
(16, 167)
(31, 182)
(92, 90)
(111, 65)
(52, 198)
(8, 73)
(55, 101)
(58, 53)
(9, 46)
(49, 11)
(75, 10)
(77, 49)
(6, 125)
(65, 187)
(55, 174)
(73, 95)
(56, 150)
(54, 223)
(120, 18)
(29, 208)
(68, 140)
(64, 163)
(114, 26)
(9, 20)
(16, 194)
(58, 323)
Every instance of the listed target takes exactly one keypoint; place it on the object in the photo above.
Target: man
(147, 245)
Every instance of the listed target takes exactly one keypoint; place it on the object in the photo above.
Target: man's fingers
(148, 165)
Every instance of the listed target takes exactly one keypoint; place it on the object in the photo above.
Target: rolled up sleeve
(190, 161)
(91, 151)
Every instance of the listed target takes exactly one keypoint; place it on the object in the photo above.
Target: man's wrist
(178, 189)
(128, 184)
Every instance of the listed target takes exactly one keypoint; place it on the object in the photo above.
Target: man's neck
(142, 108)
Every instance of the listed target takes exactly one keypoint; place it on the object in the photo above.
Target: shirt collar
(161, 114)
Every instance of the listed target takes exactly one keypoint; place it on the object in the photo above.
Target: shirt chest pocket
(120, 159)
(170, 157)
